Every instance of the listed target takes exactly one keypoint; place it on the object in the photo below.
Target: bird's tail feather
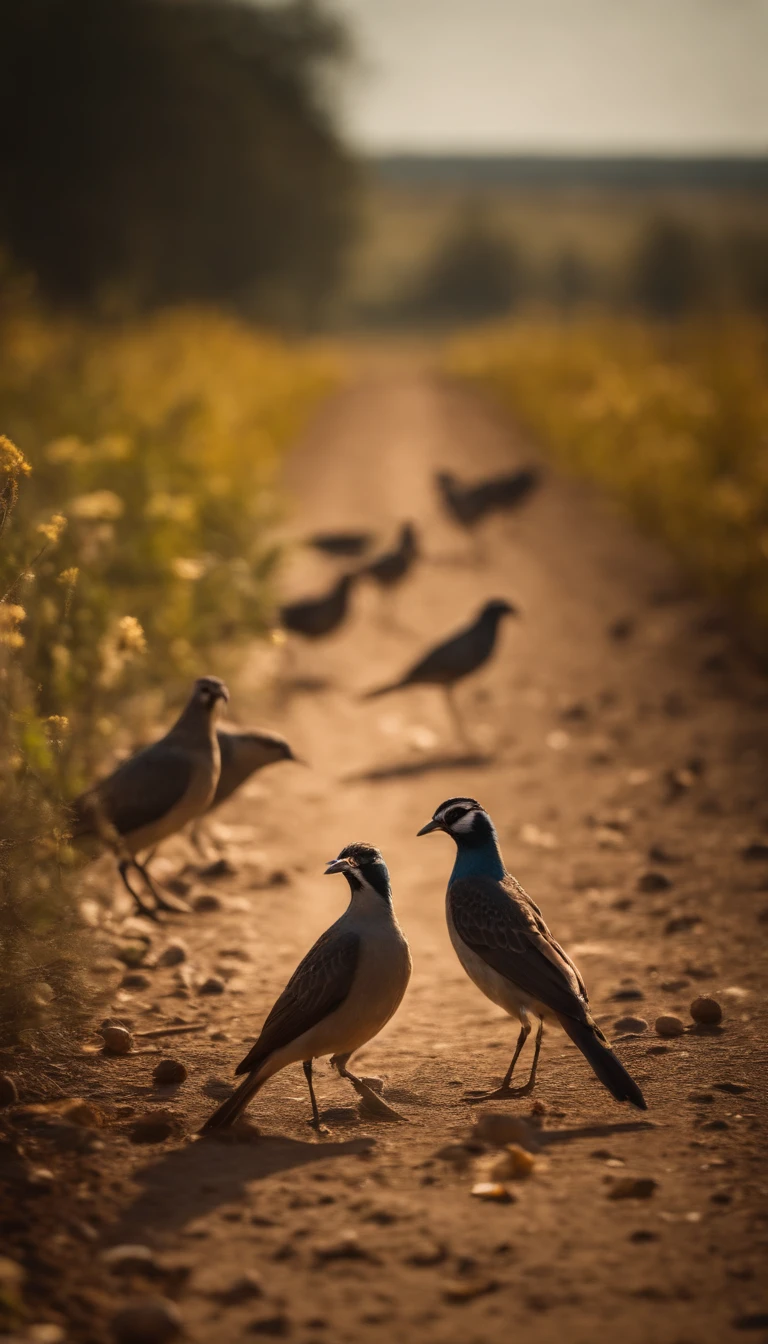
(233, 1107)
(608, 1068)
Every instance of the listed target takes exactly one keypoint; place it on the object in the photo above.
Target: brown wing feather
(504, 927)
(320, 983)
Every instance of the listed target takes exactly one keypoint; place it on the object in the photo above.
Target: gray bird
(158, 791)
(242, 754)
(455, 658)
(340, 996)
(391, 567)
(505, 947)
(341, 544)
(315, 617)
(469, 504)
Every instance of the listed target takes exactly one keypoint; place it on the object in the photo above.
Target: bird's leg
(456, 719)
(123, 866)
(315, 1121)
(373, 1102)
(174, 907)
(505, 1090)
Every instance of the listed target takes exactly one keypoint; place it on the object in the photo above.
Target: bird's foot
(499, 1094)
(320, 1129)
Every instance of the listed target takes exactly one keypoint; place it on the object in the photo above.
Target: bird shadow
(192, 1181)
(603, 1131)
(413, 769)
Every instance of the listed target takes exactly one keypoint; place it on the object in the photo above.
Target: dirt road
(625, 772)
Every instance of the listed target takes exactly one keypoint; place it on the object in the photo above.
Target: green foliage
(132, 542)
(156, 152)
(673, 421)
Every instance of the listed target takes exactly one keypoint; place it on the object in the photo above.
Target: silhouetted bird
(156, 792)
(469, 504)
(340, 996)
(392, 566)
(341, 543)
(505, 947)
(455, 658)
(315, 617)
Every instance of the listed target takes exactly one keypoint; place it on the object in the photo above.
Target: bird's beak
(337, 866)
(430, 826)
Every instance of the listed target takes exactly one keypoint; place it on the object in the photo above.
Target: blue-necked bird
(340, 996)
(505, 947)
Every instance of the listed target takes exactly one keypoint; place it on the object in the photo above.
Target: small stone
(8, 1091)
(495, 1192)
(150, 1321)
(244, 1288)
(135, 980)
(117, 1040)
(426, 1254)
(673, 986)
(669, 1025)
(132, 954)
(632, 1187)
(45, 1332)
(757, 852)
(155, 1127)
(213, 985)
(659, 853)
(276, 1324)
(173, 953)
(218, 869)
(634, 1024)
(653, 880)
(706, 1012)
(514, 1164)
(169, 1071)
(40, 1178)
(465, 1289)
(627, 994)
(206, 903)
(499, 1130)
(460, 1154)
(682, 923)
(130, 1260)
(715, 1125)
(345, 1247)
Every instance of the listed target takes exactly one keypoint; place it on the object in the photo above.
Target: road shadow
(596, 1131)
(190, 1182)
(413, 769)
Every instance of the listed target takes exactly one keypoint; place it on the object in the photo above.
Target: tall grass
(672, 420)
(132, 542)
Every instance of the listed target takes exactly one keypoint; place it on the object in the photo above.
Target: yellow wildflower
(53, 529)
(12, 461)
(69, 577)
(99, 504)
(131, 637)
(185, 567)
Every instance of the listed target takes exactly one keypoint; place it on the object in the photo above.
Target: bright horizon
(586, 77)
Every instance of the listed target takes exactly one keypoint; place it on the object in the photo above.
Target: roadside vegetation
(672, 419)
(136, 488)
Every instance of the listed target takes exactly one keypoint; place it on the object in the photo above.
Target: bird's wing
(498, 922)
(319, 985)
(141, 791)
(447, 661)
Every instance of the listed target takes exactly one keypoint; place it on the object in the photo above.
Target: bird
(157, 791)
(468, 504)
(242, 754)
(342, 544)
(455, 658)
(345, 990)
(314, 617)
(392, 566)
(504, 945)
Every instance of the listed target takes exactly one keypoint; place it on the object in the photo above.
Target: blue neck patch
(479, 860)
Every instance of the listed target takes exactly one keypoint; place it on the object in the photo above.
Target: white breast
(494, 986)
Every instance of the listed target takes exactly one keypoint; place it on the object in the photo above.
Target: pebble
(45, 1332)
(682, 923)
(632, 1187)
(495, 1192)
(135, 980)
(8, 1091)
(130, 1260)
(669, 1025)
(653, 880)
(499, 1130)
(345, 1247)
(756, 852)
(132, 954)
(206, 903)
(244, 1288)
(707, 1012)
(169, 1071)
(154, 1127)
(637, 1024)
(276, 1324)
(117, 1040)
(463, 1290)
(219, 868)
(173, 954)
(213, 985)
(149, 1321)
(514, 1164)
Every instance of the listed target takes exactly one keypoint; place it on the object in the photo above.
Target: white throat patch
(464, 824)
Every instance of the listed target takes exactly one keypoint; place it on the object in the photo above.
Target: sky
(548, 75)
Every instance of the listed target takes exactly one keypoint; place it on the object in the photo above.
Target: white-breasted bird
(340, 996)
(504, 945)
(158, 791)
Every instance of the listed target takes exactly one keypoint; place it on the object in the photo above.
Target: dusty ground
(579, 734)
